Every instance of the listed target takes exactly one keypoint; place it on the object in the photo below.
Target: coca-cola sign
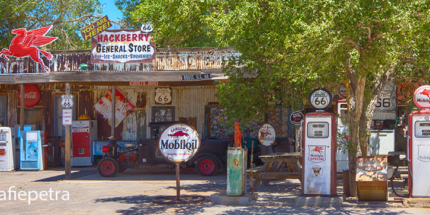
(178, 143)
(31, 95)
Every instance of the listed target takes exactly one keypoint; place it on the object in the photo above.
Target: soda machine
(31, 150)
(84, 132)
(6, 149)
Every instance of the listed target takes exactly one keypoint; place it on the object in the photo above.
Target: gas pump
(6, 149)
(419, 144)
(319, 147)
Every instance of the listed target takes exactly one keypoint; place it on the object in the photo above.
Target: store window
(3, 110)
(163, 114)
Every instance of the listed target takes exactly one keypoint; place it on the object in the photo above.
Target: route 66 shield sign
(163, 95)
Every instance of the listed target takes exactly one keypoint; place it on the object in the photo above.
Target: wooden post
(112, 122)
(67, 146)
(21, 119)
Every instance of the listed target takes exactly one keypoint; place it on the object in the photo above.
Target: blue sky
(111, 10)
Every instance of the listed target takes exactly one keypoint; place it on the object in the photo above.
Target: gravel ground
(132, 192)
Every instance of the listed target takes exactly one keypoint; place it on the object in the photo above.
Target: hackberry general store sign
(122, 46)
(178, 143)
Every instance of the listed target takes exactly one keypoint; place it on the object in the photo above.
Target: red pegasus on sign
(25, 42)
(318, 149)
(426, 92)
(178, 134)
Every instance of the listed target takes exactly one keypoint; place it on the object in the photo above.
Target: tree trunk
(355, 109)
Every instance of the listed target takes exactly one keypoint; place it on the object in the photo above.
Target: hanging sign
(122, 46)
(320, 99)
(342, 91)
(267, 135)
(422, 97)
(163, 95)
(25, 42)
(179, 143)
(31, 95)
(67, 116)
(386, 106)
(96, 28)
(123, 108)
(296, 118)
(196, 77)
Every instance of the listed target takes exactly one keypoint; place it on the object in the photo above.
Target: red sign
(25, 42)
(104, 106)
(31, 95)
(143, 83)
(342, 91)
(422, 97)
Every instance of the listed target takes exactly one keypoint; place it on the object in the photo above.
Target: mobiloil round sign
(266, 135)
(422, 97)
(178, 143)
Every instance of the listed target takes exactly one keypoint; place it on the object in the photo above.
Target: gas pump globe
(419, 144)
(319, 147)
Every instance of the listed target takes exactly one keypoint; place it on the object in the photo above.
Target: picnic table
(277, 167)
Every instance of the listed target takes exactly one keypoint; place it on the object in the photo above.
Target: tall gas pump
(319, 147)
(419, 144)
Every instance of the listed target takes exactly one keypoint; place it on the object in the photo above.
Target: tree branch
(356, 46)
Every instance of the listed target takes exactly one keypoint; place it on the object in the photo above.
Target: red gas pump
(419, 144)
(319, 147)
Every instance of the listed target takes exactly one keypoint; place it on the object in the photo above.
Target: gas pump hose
(392, 179)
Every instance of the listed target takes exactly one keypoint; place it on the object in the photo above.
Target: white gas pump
(319, 147)
(419, 144)
(6, 149)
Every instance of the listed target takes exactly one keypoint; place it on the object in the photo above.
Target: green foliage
(127, 7)
(67, 17)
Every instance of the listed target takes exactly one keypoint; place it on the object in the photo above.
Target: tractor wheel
(207, 166)
(108, 167)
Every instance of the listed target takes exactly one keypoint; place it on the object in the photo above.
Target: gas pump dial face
(422, 129)
(320, 99)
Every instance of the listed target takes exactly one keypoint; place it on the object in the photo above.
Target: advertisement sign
(163, 95)
(67, 116)
(342, 91)
(320, 99)
(104, 106)
(196, 77)
(96, 28)
(386, 105)
(372, 168)
(31, 95)
(25, 42)
(317, 153)
(422, 97)
(296, 118)
(143, 83)
(267, 135)
(178, 143)
(122, 46)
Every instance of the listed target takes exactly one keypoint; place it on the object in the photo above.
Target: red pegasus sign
(25, 42)
(178, 134)
(426, 92)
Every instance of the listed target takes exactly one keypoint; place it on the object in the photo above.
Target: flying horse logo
(25, 42)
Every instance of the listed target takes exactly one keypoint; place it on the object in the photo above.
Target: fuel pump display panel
(422, 129)
(318, 130)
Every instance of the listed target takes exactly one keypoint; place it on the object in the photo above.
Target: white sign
(163, 96)
(67, 101)
(147, 27)
(196, 77)
(178, 143)
(387, 104)
(67, 116)
(317, 153)
(342, 91)
(267, 135)
(422, 97)
(320, 98)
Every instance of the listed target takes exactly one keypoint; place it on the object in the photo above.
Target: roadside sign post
(67, 103)
(177, 144)
(296, 119)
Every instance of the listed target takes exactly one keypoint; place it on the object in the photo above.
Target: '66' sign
(179, 143)
(163, 95)
(320, 99)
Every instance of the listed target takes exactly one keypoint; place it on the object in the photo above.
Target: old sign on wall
(31, 95)
(122, 46)
(123, 108)
(179, 142)
(266, 135)
(96, 28)
(163, 95)
(386, 106)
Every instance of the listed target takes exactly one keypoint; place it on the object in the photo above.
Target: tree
(67, 17)
(291, 47)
